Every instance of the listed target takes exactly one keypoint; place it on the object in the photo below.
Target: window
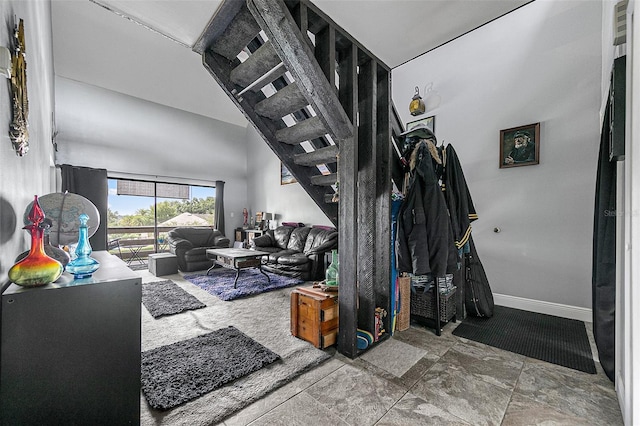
(140, 213)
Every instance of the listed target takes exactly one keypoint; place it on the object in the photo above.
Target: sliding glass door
(140, 214)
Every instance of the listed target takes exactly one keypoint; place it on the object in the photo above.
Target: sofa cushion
(281, 236)
(199, 237)
(298, 238)
(196, 253)
(268, 249)
(293, 259)
(321, 240)
(295, 271)
(273, 257)
(264, 240)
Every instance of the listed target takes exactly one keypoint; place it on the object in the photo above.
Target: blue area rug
(250, 282)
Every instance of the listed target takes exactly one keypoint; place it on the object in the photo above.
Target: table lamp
(267, 217)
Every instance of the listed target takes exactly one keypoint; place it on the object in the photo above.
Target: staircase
(321, 101)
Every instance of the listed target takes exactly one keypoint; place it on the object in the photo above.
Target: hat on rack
(419, 130)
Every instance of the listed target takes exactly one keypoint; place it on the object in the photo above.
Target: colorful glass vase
(83, 266)
(331, 278)
(36, 269)
(52, 251)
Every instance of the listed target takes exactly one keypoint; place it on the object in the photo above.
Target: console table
(248, 234)
(70, 350)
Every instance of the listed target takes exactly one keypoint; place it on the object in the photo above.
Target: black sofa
(297, 251)
(190, 244)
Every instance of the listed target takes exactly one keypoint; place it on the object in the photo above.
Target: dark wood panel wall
(366, 197)
(347, 208)
(383, 158)
(363, 84)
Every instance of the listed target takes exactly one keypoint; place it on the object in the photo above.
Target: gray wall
(541, 63)
(22, 178)
(289, 202)
(127, 135)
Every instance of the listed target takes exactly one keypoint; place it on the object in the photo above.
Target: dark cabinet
(70, 350)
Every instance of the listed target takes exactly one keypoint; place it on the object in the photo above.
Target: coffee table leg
(263, 273)
(212, 266)
(235, 283)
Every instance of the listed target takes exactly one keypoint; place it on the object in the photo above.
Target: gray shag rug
(177, 373)
(265, 318)
(167, 298)
(138, 266)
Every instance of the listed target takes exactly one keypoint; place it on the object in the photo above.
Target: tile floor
(418, 378)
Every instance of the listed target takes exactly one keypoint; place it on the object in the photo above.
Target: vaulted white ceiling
(142, 48)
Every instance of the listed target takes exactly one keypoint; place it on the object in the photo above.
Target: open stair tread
(308, 129)
(324, 155)
(259, 63)
(285, 101)
(324, 180)
(240, 31)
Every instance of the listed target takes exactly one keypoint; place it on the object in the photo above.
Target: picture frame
(285, 175)
(527, 152)
(429, 121)
(259, 220)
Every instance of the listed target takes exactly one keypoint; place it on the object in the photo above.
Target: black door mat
(548, 338)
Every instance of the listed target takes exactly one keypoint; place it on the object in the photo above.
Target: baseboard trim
(542, 307)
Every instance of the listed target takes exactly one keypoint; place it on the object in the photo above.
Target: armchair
(190, 244)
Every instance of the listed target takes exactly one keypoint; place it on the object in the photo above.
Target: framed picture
(259, 220)
(285, 175)
(429, 121)
(520, 146)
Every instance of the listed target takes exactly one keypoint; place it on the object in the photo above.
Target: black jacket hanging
(425, 239)
(457, 197)
(477, 292)
(462, 212)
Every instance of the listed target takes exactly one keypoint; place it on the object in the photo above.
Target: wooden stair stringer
(276, 21)
(220, 68)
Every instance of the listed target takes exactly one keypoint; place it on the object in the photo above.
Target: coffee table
(237, 259)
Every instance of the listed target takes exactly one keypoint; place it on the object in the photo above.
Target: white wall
(23, 177)
(289, 202)
(541, 63)
(123, 134)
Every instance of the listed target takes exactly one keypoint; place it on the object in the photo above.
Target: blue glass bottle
(83, 266)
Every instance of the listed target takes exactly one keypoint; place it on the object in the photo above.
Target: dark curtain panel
(92, 185)
(219, 213)
(604, 256)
